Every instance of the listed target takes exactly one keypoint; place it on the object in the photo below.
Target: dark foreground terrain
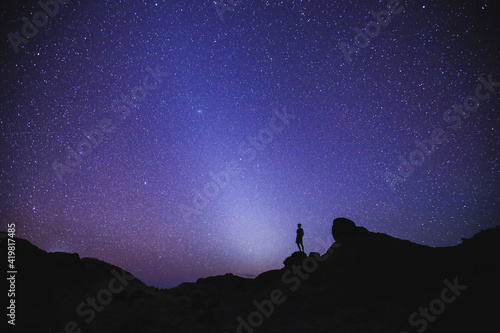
(366, 282)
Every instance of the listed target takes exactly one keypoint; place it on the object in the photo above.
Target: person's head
(299, 225)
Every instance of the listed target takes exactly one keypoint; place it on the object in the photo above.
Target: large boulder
(343, 229)
(295, 259)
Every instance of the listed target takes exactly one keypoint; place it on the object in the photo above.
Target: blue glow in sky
(159, 138)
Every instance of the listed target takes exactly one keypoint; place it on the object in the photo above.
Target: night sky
(180, 141)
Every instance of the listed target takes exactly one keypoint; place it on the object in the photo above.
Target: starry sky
(183, 139)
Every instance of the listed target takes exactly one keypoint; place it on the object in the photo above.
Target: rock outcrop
(344, 229)
(371, 283)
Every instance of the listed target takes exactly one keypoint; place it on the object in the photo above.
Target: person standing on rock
(298, 240)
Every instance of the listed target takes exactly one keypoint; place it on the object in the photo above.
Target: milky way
(183, 139)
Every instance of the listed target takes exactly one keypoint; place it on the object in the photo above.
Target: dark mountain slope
(370, 282)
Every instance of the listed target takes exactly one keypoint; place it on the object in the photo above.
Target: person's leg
(298, 245)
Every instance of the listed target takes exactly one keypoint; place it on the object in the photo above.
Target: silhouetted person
(298, 240)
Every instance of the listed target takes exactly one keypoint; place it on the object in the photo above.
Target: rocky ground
(366, 282)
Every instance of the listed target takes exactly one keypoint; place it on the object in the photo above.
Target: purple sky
(159, 138)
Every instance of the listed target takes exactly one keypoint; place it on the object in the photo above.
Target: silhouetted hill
(371, 282)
